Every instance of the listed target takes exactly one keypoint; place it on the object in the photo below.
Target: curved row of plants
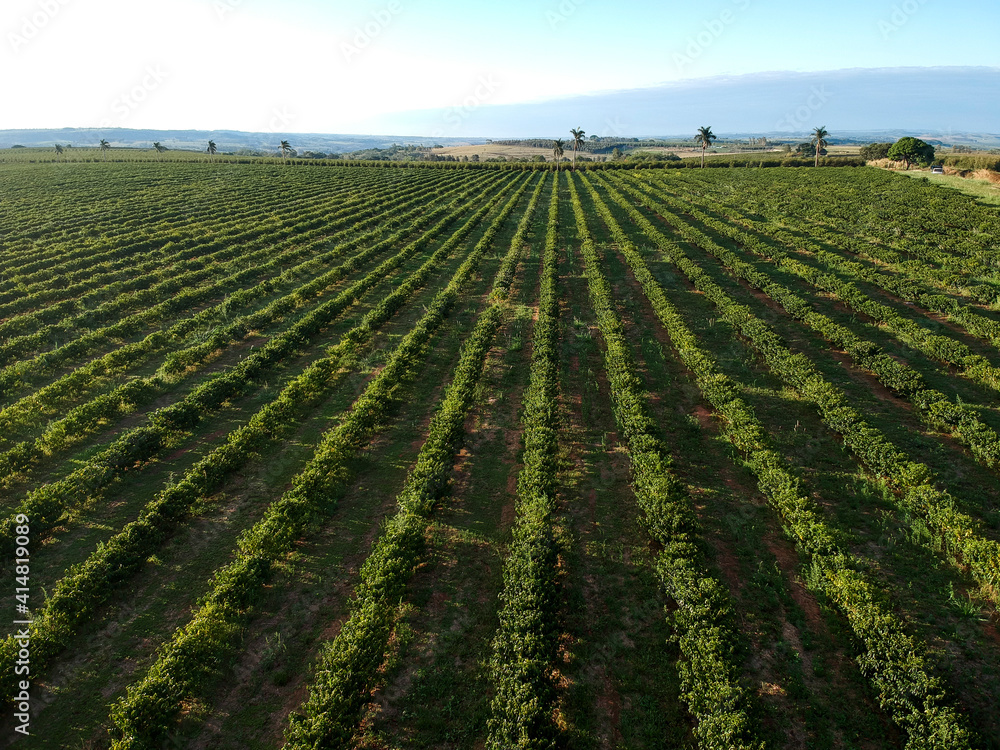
(911, 216)
(46, 401)
(97, 249)
(180, 209)
(711, 682)
(895, 662)
(45, 505)
(149, 276)
(50, 238)
(198, 650)
(122, 359)
(77, 596)
(109, 213)
(958, 537)
(96, 331)
(898, 200)
(911, 283)
(942, 348)
(145, 261)
(932, 289)
(934, 407)
(181, 363)
(22, 185)
(160, 304)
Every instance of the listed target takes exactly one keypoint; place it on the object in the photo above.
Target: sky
(328, 66)
(947, 102)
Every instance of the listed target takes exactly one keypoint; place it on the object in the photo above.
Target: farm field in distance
(498, 457)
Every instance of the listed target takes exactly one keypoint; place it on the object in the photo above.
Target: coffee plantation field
(324, 456)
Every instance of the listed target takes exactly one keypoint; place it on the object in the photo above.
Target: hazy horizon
(943, 101)
(306, 66)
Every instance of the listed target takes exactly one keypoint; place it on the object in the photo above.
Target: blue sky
(332, 66)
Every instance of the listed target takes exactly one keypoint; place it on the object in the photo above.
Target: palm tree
(705, 137)
(285, 148)
(105, 147)
(577, 142)
(818, 139)
(211, 149)
(59, 150)
(159, 147)
(557, 151)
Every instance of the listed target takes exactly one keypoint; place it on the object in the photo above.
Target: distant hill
(225, 140)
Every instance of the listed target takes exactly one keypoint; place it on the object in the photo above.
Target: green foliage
(392, 153)
(807, 148)
(892, 660)
(87, 586)
(875, 151)
(973, 161)
(703, 623)
(47, 504)
(526, 644)
(910, 481)
(184, 359)
(145, 713)
(100, 319)
(935, 407)
(912, 151)
(348, 664)
(651, 157)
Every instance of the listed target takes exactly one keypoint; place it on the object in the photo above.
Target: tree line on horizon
(285, 148)
(704, 138)
(909, 150)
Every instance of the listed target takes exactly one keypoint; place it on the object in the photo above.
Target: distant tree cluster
(593, 144)
(394, 152)
(912, 151)
(875, 151)
(908, 150)
(808, 148)
(646, 157)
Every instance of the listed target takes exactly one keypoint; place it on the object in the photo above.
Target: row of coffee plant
(193, 654)
(894, 661)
